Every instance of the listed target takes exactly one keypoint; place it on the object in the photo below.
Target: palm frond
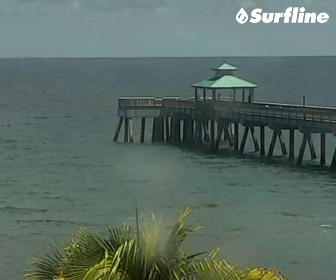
(264, 274)
(46, 267)
(209, 268)
(83, 253)
(174, 247)
(116, 237)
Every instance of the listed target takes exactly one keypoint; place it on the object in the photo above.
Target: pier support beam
(282, 143)
(167, 129)
(154, 130)
(311, 146)
(262, 140)
(219, 134)
(323, 150)
(142, 132)
(131, 131)
(116, 135)
(126, 130)
(226, 132)
(230, 134)
(255, 141)
(243, 142)
(291, 144)
(277, 134)
(198, 132)
(176, 130)
(302, 149)
(188, 136)
(212, 134)
(236, 136)
(171, 135)
(206, 131)
(184, 135)
(161, 130)
(158, 130)
(272, 145)
(333, 162)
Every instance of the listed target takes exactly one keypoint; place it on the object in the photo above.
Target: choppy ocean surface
(59, 168)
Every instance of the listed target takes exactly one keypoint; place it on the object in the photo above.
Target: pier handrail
(284, 112)
(139, 102)
(256, 109)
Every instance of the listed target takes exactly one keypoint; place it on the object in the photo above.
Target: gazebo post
(251, 96)
(213, 95)
(243, 95)
(196, 96)
(204, 94)
(234, 95)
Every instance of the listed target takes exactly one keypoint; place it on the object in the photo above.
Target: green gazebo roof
(226, 66)
(224, 82)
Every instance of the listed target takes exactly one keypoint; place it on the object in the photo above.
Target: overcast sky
(113, 28)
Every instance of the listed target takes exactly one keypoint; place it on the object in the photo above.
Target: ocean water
(59, 168)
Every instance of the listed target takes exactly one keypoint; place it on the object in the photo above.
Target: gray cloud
(156, 28)
(186, 7)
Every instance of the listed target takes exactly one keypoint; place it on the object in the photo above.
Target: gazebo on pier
(224, 80)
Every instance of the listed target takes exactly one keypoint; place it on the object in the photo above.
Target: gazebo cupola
(224, 69)
(224, 80)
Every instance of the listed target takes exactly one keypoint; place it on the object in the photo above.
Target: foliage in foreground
(126, 255)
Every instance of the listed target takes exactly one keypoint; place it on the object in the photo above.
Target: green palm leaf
(84, 252)
(46, 267)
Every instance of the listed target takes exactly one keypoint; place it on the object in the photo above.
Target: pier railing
(138, 102)
(258, 111)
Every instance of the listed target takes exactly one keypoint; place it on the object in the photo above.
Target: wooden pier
(210, 120)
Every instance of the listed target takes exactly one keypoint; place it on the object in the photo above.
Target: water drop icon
(242, 16)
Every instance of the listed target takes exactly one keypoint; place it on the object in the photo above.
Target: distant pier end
(220, 105)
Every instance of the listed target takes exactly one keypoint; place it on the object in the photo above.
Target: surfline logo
(291, 15)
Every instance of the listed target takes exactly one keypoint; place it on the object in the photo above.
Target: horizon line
(140, 57)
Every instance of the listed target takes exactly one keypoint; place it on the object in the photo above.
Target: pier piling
(230, 134)
(255, 141)
(126, 130)
(143, 127)
(236, 136)
(291, 144)
(262, 140)
(176, 130)
(219, 134)
(272, 145)
(116, 135)
(206, 131)
(154, 130)
(311, 146)
(282, 143)
(333, 161)
(302, 149)
(167, 129)
(131, 138)
(171, 135)
(243, 142)
(212, 134)
(322, 155)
